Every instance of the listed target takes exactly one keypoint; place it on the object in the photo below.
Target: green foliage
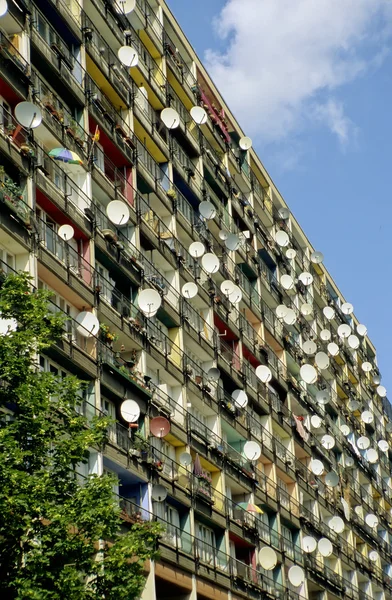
(60, 536)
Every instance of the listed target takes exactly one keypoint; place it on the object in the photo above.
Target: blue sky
(313, 89)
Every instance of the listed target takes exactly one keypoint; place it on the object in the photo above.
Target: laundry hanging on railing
(300, 428)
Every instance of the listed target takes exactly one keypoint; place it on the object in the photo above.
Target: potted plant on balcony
(12, 195)
(106, 335)
(10, 128)
(75, 131)
(171, 193)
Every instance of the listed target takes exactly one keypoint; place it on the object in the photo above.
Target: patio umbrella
(66, 156)
(251, 507)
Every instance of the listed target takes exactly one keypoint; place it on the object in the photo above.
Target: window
(288, 545)
(206, 543)
(57, 304)
(99, 157)
(168, 513)
(7, 263)
(104, 282)
(66, 252)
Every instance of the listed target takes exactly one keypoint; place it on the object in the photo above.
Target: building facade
(296, 469)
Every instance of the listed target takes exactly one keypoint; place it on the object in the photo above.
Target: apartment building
(261, 436)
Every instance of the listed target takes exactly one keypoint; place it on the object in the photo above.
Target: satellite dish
(185, 459)
(309, 544)
(376, 379)
(344, 331)
(207, 210)
(328, 313)
(223, 235)
(118, 212)
(268, 558)
(306, 278)
(240, 398)
(363, 442)
(283, 213)
(361, 330)
(88, 324)
(213, 374)
(309, 347)
(236, 295)
(322, 397)
(290, 317)
(333, 349)
(371, 520)
(316, 257)
(359, 511)
(308, 374)
(159, 427)
(345, 429)
(3, 7)
(287, 282)
(252, 450)
(263, 373)
(306, 310)
(316, 466)
(353, 405)
(126, 6)
(315, 421)
(170, 118)
(296, 576)
(158, 493)
(325, 547)
(383, 445)
(26, 113)
(372, 456)
(347, 308)
(374, 556)
(322, 360)
(367, 367)
(332, 479)
(149, 301)
(210, 262)
(189, 290)
(325, 335)
(7, 326)
(130, 411)
(128, 56)
(245, 143)
(336, 524)
(196, 249)
(227, 287)
(281, 238)
(232, 242)
(281, 311)
(66, 232)
(348, 461)
(328, 441)
(291, 253)
(367, 416)
(353, 342)
(199, 115)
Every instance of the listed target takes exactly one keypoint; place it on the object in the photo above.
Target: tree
(59, 538)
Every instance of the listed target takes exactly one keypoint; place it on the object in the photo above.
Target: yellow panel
(147, 41)
(179, 90)
(103, 83)
(144, 136)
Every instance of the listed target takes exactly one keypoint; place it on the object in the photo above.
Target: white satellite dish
(196, 249)
(232, 242)
(199, 115)
(88, 324)
(353, 405)
(149, 301)
(189, 290)
(322, 397)
(336, 524)
(126, 6)
(344, 331)
(374, 556)
(325, 547)
(283, 213)
(240, 398)
(236, 295)
(291, 253)
(348, 461)
(3, 7)
(361, 330)
(287, 282)
(118, 212)
(359, 511)
(345, 429)
(128, 56)
(7, 326)
(245, 143)
(306, 310)
(210, 262)
(130, 411)
(281, 238)
(322, 360)
(325, 335)
(27, 114)
(328, 313)
(333, 349)
(328, 441)
(316, 466)
(353, 342)
(213, 374)
(363, 442)
(376, 379)
(367, 416)
(296, 576)
(332, 479)
(372, 455)
(223, 235)
(367, 367)
(158, 493)
(227, 287)
(207, 210)
(263, 373)
(252, 450)
(315, 421)
(268, 558)
(383, 445)
(66, 232)
(185, 459)
(347, 308)
(309, 347)
(290, 317)
(170, 118)
(316, 257)
(309, 544)
(308, 373)
(281, 311)
(306, 278)
(371, 520)
(381, 391)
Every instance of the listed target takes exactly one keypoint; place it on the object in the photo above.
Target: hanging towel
(300, 428)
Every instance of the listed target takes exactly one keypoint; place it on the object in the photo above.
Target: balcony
(14, 69)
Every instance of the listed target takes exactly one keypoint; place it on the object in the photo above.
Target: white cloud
(285, 59)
